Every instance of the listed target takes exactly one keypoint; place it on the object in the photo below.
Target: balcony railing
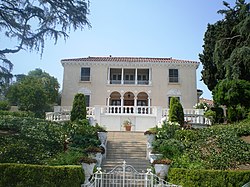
(192, 116)
(142, 110)
(132, 82)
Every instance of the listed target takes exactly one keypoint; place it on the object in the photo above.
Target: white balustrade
(193, 116)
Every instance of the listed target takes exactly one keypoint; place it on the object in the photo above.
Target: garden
(35, 151)
(218, 147)
(31, 146)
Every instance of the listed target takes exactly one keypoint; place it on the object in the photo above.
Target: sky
(130, 28)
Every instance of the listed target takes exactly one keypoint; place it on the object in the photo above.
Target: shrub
(219, 114)
(176, 113)
(209, 178)
(237, 114)
(210, 115)
(78, 111)
(22, 175)
(165, 142)
(4, 105)
(29, 140)
(83, 135)
(70, 157)
(216, 147)
(17, 113)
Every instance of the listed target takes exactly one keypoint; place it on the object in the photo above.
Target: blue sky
(137, 28)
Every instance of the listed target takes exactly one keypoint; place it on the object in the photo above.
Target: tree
(29, 23)
(235, 94)
(226, 49)
(36, 92)
(176, 113)
(78, 111)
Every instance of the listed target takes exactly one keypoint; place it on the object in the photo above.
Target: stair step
(128, 146)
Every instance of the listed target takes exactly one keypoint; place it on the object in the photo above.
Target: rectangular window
(173, 75)
(87, 100)
(85, 74)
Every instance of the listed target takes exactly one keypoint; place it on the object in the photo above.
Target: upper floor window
(85, 74)
(173, 75)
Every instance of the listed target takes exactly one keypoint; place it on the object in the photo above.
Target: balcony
(129, 76)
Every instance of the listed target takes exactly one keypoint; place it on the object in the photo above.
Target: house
(129, 88)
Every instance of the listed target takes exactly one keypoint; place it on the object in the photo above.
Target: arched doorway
(129, 99)
(115, 102)
(142, 103)
(142, 99)
(128, 102)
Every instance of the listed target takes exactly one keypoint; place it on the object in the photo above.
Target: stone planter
(105, 150)
(98, 157)
(88, 169)
(161, 170)
(153, 157)
(149, 150)
(102, 137)
(150, 139)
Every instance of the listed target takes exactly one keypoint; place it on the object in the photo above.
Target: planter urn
(88, 169)
(161, 170)
(102, 136)
(154, 156)
(150, 139)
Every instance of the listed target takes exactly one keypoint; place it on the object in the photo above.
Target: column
(122, 76)
(108, 75)
(135, 105)
(108, 105)
(122, 103)
(135, 75)
(149, 105)
(150, 76)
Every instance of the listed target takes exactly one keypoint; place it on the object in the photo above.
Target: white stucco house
(134, 88)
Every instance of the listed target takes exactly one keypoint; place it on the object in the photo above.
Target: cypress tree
(176, 113)
(78, 111)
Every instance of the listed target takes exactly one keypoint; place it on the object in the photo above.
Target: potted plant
(96, 153)
(161, 167)
(102, 134)
(127, 124)
(151, 133)
(154, 156)
(88, 165)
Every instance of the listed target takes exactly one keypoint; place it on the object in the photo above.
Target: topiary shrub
(78, 111)
(176, 113)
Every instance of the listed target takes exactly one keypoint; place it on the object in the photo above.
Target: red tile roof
(129, 59)
(207, 101)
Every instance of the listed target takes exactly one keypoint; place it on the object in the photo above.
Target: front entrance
(126, 176)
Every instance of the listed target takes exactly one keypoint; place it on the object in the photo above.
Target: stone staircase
(128, 146)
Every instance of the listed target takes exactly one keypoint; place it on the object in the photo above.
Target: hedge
(208, 178)
(24, 175)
